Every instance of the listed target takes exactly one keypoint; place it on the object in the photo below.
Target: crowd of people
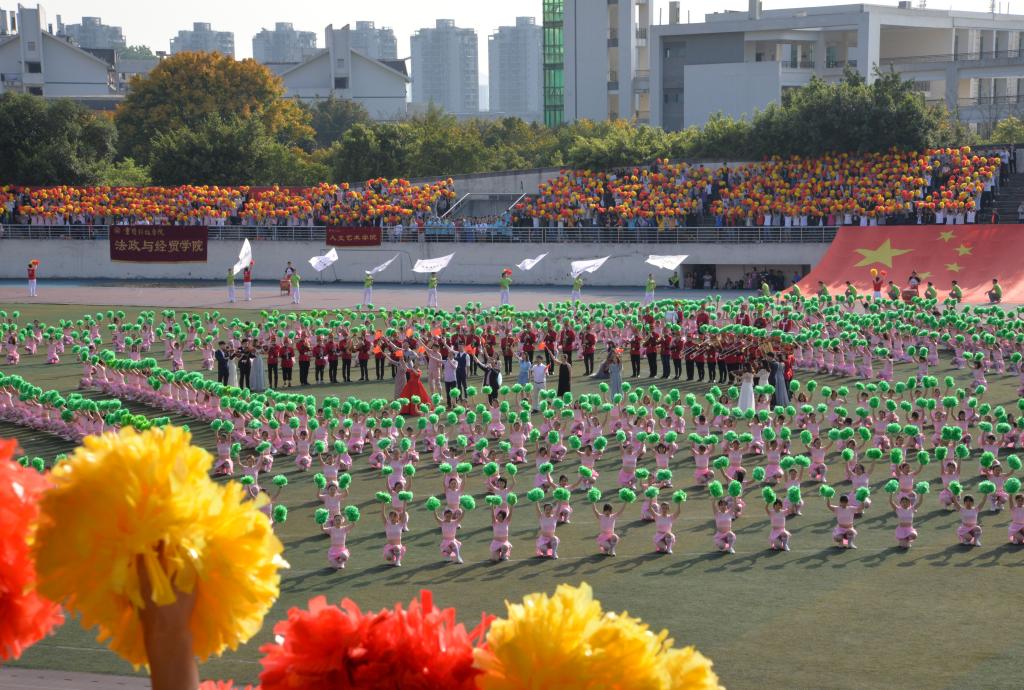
(941, 186)
(378, 202)
(758, 428)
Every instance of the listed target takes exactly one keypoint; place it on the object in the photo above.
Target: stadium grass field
(938, 616)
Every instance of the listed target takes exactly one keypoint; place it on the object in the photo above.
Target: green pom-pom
(627, 495)
(512, 499)
(716, 489)
(787, 462)
(345, 480)
(793, 494)
(923, 457)
(768, 494)
(987, 458)
(320, 480)
(493, 501)
(679, 496)
(962, 452)
(847, 454)
(651, 492)
(1014, 462)
(382, 497)
(247, 480)
(467, 503)
(663, 475)
(806, 437)
(280, 480)
(511, 469)
(545, 468)
(320, 516)
(535, 495)
(387, 470)
(586, 471)
(863, 493)
(720, 463)
(802, 461)
(444, 468)
(896, 456)
(491, 469)
(352, 513)
(1012, 485)
(921, 488)
(891, 486)
(826, 491)
(280, 513)
(561, 494)
(735, 489)
(409, 470)
(594, 495)
(433, 503)
(986, 487)
(405, 496)
(956, 488)
(463, 468)
(758, 474)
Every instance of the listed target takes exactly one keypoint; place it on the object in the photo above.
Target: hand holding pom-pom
(768, 494)
(433, 503)
(826, 491)
(986, 487)
(921, 488)
(535, 494)
(679, 496)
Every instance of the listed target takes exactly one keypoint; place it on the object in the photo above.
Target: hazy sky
(153, 23)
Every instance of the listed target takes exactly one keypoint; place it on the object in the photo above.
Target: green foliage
(332, 117)
(1008, 131)
(48, 142)
(135, 52)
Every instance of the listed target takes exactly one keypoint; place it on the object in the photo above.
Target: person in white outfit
(432, 290)
(368, 289)
(231, 285)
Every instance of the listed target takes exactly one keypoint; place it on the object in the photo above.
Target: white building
(92, 33)
(514, 68)
(283, 44)
(445, 69)
(605, 63)
(35, 61)
(380, 44)
(738, 62)
(202, 38)
(344, 72)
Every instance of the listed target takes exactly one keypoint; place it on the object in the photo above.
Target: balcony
(642, 81)
(799, 64)
(613, 38)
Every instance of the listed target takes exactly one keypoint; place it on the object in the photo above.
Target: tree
(135, 53)
(221, 151)
(185, 89)
(1008, 131)
(48, 142)
(331, 118)
(123, 173)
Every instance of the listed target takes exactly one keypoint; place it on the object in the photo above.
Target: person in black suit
(222, 362)
(245, 357)
(462, 370)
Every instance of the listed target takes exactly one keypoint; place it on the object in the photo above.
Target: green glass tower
(554, 63)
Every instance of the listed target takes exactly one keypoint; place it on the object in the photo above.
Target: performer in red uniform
(247, 282)
(319, 355)
(303, 349)
(32, 278)
(332, 359)
(589, 347)
(287, 362)
(273, 351)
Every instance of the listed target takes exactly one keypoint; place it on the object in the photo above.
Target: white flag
(669, 261)
(377, 269)
(244, 257)
(322, 262)
(432, 265)
(527, 264)
(587, 266)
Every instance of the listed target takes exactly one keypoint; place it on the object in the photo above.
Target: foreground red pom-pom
(224, 685)
(25, 616)
(422, 648)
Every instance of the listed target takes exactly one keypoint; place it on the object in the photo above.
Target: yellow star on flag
(883, 255)
(953, 267)
(963, 249)
(946, 236)
(925, 276)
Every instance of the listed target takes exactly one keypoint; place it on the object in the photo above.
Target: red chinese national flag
(970, 254)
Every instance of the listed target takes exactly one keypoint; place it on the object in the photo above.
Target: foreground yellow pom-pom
(126, 496)
(567, 641)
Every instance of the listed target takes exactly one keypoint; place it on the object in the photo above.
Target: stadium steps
(1010, 196)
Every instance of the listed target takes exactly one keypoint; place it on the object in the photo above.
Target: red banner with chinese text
(159, 243)
(353, 237)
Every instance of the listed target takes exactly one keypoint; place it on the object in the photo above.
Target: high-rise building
(445, 68)
(203, 38)
(596, 60)
(515, 70)
(379, 44)
(283, 45)
(92, 33)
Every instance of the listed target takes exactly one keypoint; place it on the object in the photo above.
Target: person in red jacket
(665, 350)
(589, 342)
(302, 347)
(287, 362)
(32, 279)
(378, 357)
(508, 343)
(332, 359)
(273, 351)
(319, 355)
(247, 282)
(363, 350)
(636, 349)
(676, 351)
(568, 341)
(651, 349)
(345, 354)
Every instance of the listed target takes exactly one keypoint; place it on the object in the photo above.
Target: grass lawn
(934, 617)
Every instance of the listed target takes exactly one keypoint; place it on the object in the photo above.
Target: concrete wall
(474, 263)
(752, 86)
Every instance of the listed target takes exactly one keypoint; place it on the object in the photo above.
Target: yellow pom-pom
(130, 497)
(591, 650)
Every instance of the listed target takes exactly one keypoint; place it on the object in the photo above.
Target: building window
(30, 46)
(341, 82)
(34, 67)
(35, 90)
(341, 63)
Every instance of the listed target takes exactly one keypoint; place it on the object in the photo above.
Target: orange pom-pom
(25, 616)
(334, 647)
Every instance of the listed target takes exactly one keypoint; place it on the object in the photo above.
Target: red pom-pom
(421, 648)
(224, 685)
(25, 616)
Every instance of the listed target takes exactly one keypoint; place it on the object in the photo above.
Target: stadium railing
(316, 233)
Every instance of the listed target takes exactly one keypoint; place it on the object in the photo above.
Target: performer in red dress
(413, 386)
